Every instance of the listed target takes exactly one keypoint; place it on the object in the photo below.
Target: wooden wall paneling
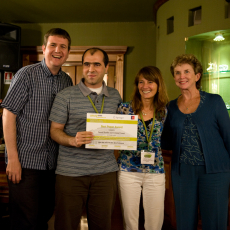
(75, 71)
(71, 71)
(111, 76)
(33, 54)
(119, 73)
(79, 73)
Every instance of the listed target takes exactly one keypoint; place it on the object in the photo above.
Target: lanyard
(102, 105)
(146, 132)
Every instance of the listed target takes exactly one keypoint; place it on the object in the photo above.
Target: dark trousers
(193, 188)
(97, 193)
(32, 200)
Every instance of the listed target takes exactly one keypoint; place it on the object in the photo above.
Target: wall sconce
(218, 37)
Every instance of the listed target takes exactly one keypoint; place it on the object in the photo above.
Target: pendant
(186, 108)
(144, 113)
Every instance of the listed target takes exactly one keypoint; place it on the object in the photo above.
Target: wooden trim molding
(32, 54)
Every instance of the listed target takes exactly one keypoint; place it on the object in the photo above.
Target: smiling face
(56, 52)
(185, 77)
(147, 88)
(94, 69)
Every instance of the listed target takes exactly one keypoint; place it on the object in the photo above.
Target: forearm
(61, 137)
(13, 169)
(10, 134)
(58, 135)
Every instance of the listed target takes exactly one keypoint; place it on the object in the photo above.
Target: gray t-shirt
(70, 108)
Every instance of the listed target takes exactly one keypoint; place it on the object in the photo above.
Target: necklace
(144, 114)
(186, 106)
(192, 101)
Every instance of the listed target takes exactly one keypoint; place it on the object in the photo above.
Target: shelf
(216, 72)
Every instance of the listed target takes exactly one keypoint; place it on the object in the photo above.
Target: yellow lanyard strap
(146, 132)
(102, 106)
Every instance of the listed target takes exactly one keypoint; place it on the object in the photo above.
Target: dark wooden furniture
(4, 194)
(4, 190)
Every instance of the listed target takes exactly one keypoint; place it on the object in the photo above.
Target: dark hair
(58, 32)
(150, 73)
(191, 60)
(95, 49)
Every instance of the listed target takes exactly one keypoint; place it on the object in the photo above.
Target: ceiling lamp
(218, 37)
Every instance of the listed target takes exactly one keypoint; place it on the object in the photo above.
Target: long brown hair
(160, 100)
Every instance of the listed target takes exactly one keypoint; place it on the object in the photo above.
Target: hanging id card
(147, 157)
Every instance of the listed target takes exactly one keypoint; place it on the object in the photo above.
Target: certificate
(112, 131)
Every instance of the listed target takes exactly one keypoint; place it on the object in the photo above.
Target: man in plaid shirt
(30, 152)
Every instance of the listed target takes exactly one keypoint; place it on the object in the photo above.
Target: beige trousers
(152, 186)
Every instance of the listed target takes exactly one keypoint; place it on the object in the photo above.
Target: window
(194, 16)
(227, 10)
(170, 25)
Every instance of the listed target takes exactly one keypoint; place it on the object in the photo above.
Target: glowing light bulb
(219, 37)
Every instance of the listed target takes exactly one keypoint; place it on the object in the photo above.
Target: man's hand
(58, 135)
(83, 138)
(14, 171)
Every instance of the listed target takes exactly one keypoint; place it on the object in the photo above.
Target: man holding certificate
(84, 176)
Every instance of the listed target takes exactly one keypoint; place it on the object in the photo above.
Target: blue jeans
(193, 187)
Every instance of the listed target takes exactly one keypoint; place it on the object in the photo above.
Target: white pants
(152, 186)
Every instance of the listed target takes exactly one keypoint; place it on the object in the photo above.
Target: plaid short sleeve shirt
(30, 97)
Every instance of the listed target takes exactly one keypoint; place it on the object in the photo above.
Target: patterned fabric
(191, 148)
(70, 108)
(30, 97)
(129, 160)
(213, 124)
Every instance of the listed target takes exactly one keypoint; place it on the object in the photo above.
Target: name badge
(147, 157)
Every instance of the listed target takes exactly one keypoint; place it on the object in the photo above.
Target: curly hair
(191, 60)
(160, 100)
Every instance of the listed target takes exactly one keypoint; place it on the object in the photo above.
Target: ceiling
(76, 11)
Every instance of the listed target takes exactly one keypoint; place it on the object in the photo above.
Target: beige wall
(138, 36)
(147, 44)
(171, 45)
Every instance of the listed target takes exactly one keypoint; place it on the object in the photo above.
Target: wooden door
(33, 54)
(75, 72)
